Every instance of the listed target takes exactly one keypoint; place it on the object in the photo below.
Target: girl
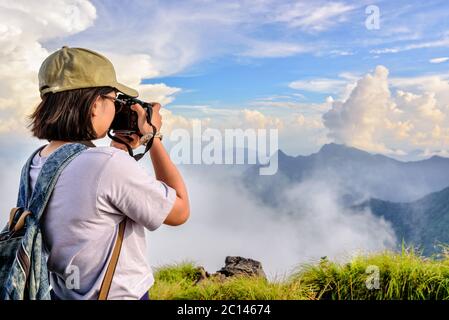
(102, 186)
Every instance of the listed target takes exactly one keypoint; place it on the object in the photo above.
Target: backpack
(23, 259)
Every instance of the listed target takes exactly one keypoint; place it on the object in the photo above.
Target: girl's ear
(96, 106)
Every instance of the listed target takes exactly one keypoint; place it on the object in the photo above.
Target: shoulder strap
(24, 188)
(24, 195)
(48, 176)
(107, 280)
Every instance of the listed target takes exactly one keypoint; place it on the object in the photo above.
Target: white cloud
(437, 84)
(374, 119)
(440, 43)
(341, 87)
(47, 19)
(284, 105)
(341, 53)
(319, 85)
(356, 120)
(159, 92)
(132, 68)
(22, 28)
(222, 119)
(387, 50)
(299, 121)
(318, 17)
(439, 60)
(268, 49)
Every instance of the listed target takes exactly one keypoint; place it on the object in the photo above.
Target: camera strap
(139, 156)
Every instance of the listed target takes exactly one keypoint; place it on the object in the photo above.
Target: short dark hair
(66, 115)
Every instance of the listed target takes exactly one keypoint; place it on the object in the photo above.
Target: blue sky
(234, 80)
(234, 68)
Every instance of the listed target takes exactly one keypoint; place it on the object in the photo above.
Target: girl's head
(75, 84)
(74, 115)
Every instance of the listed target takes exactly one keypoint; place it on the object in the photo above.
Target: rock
(234, 266)
(239, 266)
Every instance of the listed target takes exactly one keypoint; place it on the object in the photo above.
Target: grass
(178, 282)
(405, 275)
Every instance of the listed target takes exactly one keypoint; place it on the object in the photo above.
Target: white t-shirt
(92, 195)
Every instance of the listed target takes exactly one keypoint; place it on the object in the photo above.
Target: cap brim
(126, 90)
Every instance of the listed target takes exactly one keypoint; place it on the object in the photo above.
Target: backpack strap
(107, 280)
(12, 215)
(48, 176)
(20, 222)
(24, 189)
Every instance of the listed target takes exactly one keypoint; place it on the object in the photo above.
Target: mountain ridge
(360, 173)
(423, 222)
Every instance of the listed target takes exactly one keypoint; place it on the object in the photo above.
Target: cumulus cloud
(24, 27)
(375, 119)
(438, 84)
(357, 120)
(22, 52)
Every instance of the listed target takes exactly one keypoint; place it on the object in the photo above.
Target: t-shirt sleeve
(126, 188)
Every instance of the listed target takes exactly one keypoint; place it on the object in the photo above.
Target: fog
(226, 219)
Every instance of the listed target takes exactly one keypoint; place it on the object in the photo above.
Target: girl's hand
(142, 123)
(133, 141)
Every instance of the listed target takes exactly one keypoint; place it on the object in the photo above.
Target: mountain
(359, 175)
(424, 222)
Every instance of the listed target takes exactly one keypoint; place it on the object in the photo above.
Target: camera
(126, 121)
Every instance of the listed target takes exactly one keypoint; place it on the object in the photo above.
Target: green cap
(76, 68)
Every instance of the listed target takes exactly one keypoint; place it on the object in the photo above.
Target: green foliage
(404, 275)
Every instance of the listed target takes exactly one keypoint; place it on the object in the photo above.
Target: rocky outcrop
(238, 266)
(234, 266)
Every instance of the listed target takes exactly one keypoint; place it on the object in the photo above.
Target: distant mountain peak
(333, 147)
(338, 149)
(437, 157)
(282, 154)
